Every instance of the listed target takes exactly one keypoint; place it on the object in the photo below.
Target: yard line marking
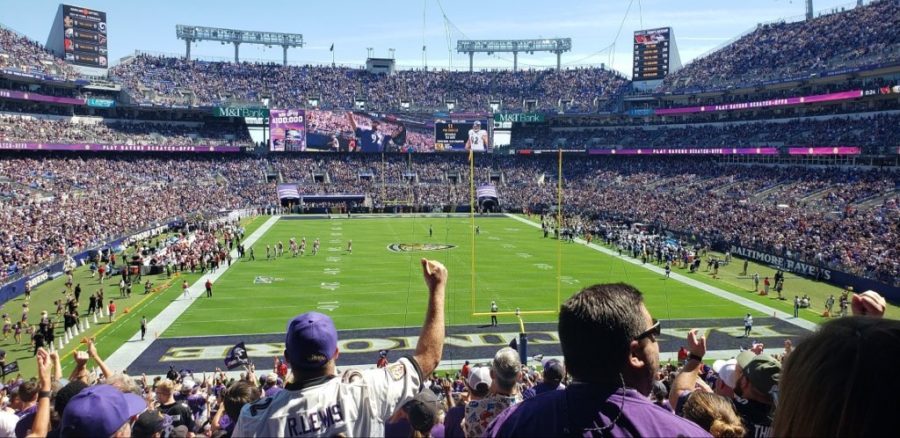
(134, 347)
(787, 317)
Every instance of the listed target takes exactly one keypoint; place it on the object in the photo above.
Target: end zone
(359, 348)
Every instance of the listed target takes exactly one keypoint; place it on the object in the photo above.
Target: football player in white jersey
(478, 138)
(320, 403)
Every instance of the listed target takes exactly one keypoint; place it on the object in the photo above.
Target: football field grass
(379, 287)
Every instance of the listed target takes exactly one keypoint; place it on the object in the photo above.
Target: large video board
(84, 37)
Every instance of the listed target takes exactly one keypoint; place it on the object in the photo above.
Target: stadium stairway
(874, 201)
(761, 195)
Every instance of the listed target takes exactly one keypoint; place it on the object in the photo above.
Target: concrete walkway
(134, 347)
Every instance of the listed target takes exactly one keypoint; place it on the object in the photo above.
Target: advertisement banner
(100, 103)
(519, 117)
(11, 94)
(825, 150)
(223, 111)
(843, 95)
(287, 130)
(831, 276)
(16, 146)
(686, 151)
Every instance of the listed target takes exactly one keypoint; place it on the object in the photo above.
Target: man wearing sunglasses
(609, 341)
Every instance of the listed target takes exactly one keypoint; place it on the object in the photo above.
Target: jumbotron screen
(84, 33)
(651, 54)
(462, 134)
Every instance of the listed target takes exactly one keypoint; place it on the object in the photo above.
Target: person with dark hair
(554, 374)
(609, 342)
(234, 398)
(321, 403)
(839, 380)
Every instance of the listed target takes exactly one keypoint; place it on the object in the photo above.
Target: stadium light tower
(553, 45)
(202, 33)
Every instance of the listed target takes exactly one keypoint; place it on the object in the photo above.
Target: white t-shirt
(476, 139)
(330, 406)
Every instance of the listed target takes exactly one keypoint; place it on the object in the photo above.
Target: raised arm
(431, 340)
(92, 351)
(352, 121)
(41, 425)
(686, 380)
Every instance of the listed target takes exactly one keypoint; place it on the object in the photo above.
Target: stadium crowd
(874, 134)
(36, 129)
(837, 218)
(609, 381)
(864, 35)
(53, 207)
(20, 54)
(151, 78)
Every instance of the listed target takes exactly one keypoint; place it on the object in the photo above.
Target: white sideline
(132, 348)
(799, 322)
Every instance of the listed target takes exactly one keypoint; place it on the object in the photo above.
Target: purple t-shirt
(583, 409)
(272, 390)
(453, 422)
(541, 388)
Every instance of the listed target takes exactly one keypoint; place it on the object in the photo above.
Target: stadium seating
(875, 134)
(20, 54)
(834, 217)
(174, 81)
(858, 37)
(95, 130)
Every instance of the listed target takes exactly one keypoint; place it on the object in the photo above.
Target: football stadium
(245, 228)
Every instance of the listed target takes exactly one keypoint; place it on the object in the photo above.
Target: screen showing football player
(478, 138)
(369, 139)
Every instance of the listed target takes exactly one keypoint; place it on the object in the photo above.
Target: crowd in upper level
(859, 37)
(874, 134)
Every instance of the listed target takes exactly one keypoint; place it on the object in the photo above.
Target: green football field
(377, 287)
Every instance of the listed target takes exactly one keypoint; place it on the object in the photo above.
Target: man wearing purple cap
(319, 403)
(609, 341)
(101, 411)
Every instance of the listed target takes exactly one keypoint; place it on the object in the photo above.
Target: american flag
(288, 191)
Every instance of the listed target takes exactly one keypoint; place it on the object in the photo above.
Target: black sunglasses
(654, 331)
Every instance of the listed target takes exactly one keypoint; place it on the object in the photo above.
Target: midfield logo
(410, 247)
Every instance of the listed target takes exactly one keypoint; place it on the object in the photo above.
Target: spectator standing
(554, 374)
(609, 341)
(361, 402)
(112, 310)
(505, 373)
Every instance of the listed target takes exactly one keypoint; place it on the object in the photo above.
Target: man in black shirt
(179, 412)
(757, 385)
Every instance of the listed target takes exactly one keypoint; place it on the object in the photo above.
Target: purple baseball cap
(100, 410)
(311, 340)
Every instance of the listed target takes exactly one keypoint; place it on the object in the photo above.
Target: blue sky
(407, 25)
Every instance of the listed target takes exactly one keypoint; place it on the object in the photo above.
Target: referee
(494, 310)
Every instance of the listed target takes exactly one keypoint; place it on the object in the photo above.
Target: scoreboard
(452, 134)
(652, 49)
(84, 37)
